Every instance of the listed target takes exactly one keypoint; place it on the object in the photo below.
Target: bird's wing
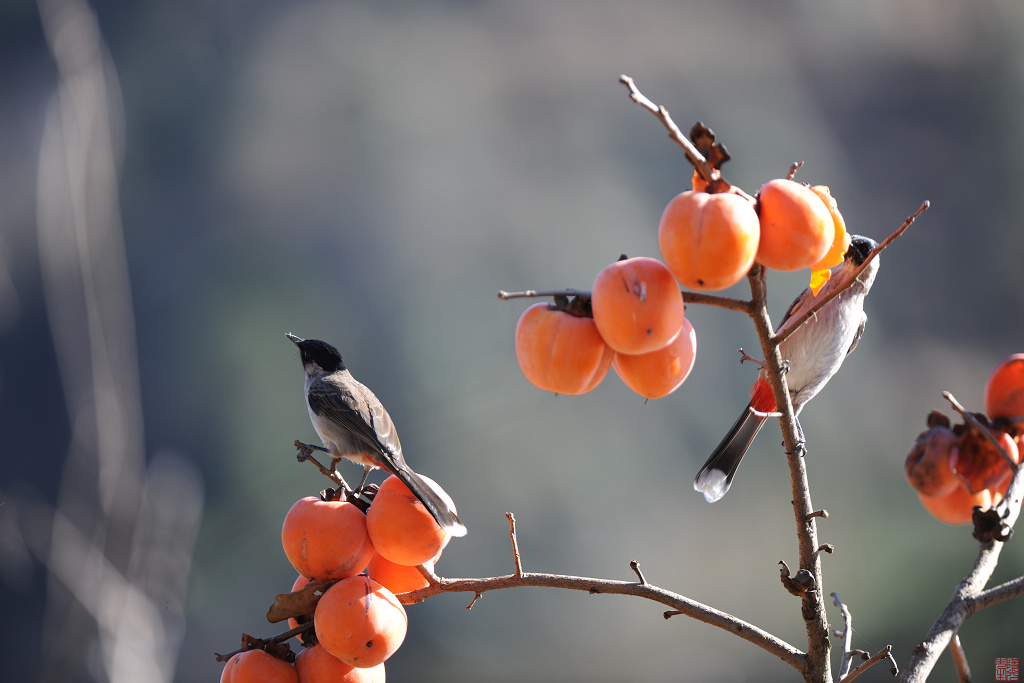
(363, 417)
(857, 335)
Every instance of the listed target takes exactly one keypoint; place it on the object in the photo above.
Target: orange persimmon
(256, 666)
(637, 305)
(796, 227)
(326, 539)
(397, 578)
(708, 241)
(317, 665)
(659, 373)
(957, 506)
(360, 622)
(561, 352)
(1004, 390)
(401, 527)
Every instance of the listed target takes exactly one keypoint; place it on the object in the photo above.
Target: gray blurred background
(372, 173)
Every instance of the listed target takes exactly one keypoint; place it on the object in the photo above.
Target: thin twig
(811, 312)
(515, 544)
(306, 453)
(695, 157)
(884, 653)
(793, 167)
(635, 566)
(534, 293)
(958, 407)
(846, 635)
(963, 669)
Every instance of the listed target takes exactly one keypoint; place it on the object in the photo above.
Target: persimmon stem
(793, 167)
(279, 638)
(696, 158)
(811, 312)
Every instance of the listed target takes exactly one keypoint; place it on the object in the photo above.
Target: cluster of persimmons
(955, 468)
(633, 319)
(351, 566)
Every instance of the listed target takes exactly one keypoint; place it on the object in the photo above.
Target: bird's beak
(295, 340)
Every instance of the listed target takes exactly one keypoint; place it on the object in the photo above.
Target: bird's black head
(860, 247)
(317, 355)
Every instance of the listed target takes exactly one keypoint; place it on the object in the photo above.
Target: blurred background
(183, 182)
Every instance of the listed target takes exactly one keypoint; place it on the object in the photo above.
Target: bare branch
(515, 544)
(695, 157)
(679, 604)
(535, 293)
(884, 653)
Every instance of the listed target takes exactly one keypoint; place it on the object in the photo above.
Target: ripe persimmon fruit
(561, 352)
(930, 464)
(397, 578)
(980, 465)
(659, 373)
(360, 622)
(796, 227)
(708, 241)
(401, 528)
(1004, 390)
(637, 305)
(326, 539)
(256, 666)
(957, 506)
(317, 665)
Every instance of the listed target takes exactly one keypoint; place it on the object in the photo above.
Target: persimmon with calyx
(796, 227)
(360, 622)
(637, 305)
(257, 666)
(397, 578)
(980, 464)
(659, 373)
(561, 351)
(326, 539)
(1004, 390)
(708, 241)
(401, 528)
(317, 665)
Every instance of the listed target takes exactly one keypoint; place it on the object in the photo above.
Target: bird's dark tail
(443, 511)
(715, 477)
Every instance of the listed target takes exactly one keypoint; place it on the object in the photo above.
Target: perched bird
(354, 425)
(814, 352)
